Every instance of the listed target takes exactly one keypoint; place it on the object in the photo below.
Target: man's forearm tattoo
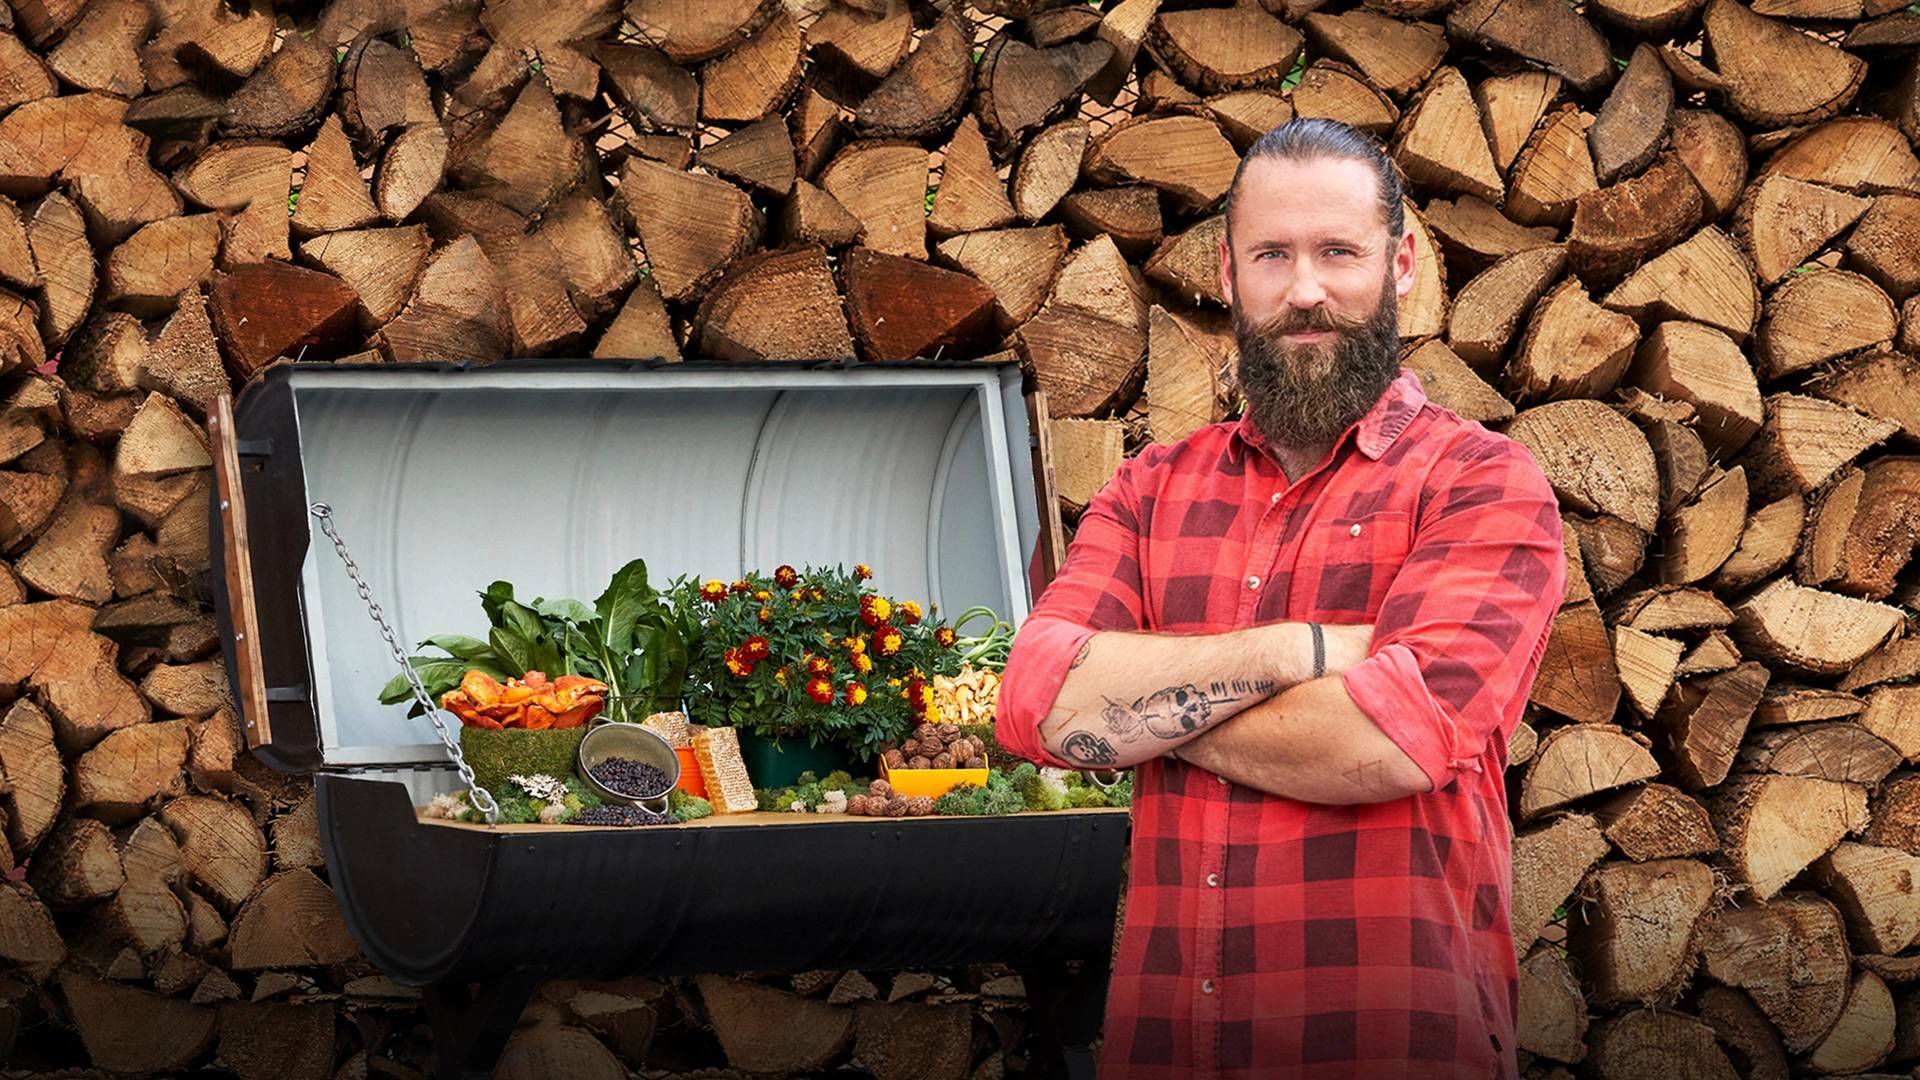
(1176, 711)
(1367, 775)
(1081, 656)
(1086, 748)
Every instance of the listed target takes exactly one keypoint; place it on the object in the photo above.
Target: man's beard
(1303, 396)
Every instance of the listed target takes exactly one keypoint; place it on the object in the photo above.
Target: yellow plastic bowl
(931, 783)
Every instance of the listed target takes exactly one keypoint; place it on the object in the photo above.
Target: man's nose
(1307, 291)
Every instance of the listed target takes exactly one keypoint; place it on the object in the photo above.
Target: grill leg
(1066, 1007)
(472, 1021)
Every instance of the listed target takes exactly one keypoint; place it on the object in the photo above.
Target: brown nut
(880, 788)
(896, 807)
(857, 805)
(943, 761)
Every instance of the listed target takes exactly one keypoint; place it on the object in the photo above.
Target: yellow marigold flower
(856, 645)
(862, 663)
(893, 682)
(910, 612)
(890, 641)
(713, 591)
(856, 694)
(797, 595)
(766, 614)
(763, 596)
(780, 676)
(862, 571)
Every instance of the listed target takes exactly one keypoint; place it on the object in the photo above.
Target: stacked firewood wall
(1672, 246)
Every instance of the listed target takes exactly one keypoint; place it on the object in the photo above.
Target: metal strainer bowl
(615, 739)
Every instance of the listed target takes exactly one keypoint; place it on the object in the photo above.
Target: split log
(183, 359)
(265, 310)
(1705, 280)
(899, 1041)
(971, 196)
(1336, 91)
(1451, 384)
(1715, 152)
(1705, 721)
(1811, 630)
(1657, 821)
(1189, 263)
(129, 1030)
(869, 42)
(295, 837)
(1617, 228)
(76, 864)
(1475, 234)
(1246, 115)
(1220, 49)
(52, 648)
(1862, 529)
(1596, 460)
(28, 936)
(1556, 38)
(1021, 87)
(691, 225)
(1635, 934)
(777, 305)
(1579, 760)
(1877, 247)
(1488, 309)
(1511, 106)
(1554, 170)
(159, 262)
(379, 265)
(1782, 221)
(1767, 543)
(253, 182)
(1441, 144)
(131, 771)
(1016, 265)
(1875, 889)
(1791, 958)
(333, 197)
(811, 216)
(650, 85)
(222, 846)
(412, 168)
(1772, 827)
(1548, 863)
(1882, 384)
(757, 77)
(34, 776)
(1577, 677)
(1754, 54)
(277, 1041)
(1552, 1018)
(58, 236)
(1631, 125)
(926, 92)
(1837, 751)
(1130, 215)
(1804, 442)
(903, 308)
(1088, 341)
(553, 1050)
(1897, 660)
(1183, 385)
(759, 156)
(1816, 316)
(1700, 365)
(765, 1030)
(1863, 1036)
(1184, 156)
(1893, 714)
(1745, 1033)
(1861, 154)
(1703, 534)
(1647, 1043)
(290, 921)
(1048, 167)
(885, 186)
(1572, 347)
(286, 95)
(1086, 454)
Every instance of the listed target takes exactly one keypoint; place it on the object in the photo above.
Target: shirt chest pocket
(1347, 564)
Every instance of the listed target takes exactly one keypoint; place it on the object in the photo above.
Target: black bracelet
(1319, 650)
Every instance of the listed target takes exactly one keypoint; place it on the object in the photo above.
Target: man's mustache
(1294, 320)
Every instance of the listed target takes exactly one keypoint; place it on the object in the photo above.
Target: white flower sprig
(541, 786)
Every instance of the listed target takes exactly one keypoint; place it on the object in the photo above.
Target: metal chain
(481, 798)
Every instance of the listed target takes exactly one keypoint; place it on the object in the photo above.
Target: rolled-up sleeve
(1459, 637)
(1097, 589)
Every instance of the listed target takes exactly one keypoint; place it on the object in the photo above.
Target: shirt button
(1253, 582)
(1355, 531)
(1223, 780)
(1276, 498)
(1206, 986)
(1213, 881)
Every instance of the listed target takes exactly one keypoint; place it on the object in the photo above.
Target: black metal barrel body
(431, 903)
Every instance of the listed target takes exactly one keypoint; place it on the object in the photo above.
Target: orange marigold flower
(819, 665)
(856, 693)
(874, 610)
(786, 576)
(740, 586)
(762, 595)
(738, 663)
(755, 648)
(713, 591)
(863, 571)
(946, 637)
(797, 595)
(910, 612)
(780, 676)
(821, 690)
(856, 644)
(766, 614)
(888, 640)
(862, 663)
(818, 594)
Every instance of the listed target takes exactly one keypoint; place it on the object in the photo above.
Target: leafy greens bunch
(629, 639)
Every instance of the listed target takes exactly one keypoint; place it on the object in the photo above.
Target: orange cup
(691, 781)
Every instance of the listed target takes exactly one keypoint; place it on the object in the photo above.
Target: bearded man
(1311, 631)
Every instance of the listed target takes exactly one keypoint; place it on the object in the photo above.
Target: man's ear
(1406, 263)
(1226, 270)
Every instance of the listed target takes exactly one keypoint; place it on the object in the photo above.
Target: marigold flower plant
(800, 653)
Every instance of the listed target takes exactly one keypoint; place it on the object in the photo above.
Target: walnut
(979, 745)
(897, 806)
(932, 749)
(910, 747)
(857, 804)
(918, 762)
(896, 759)
(919, 806)
(943, 761)
(949, 732)
(881, 789)
(926, 733)
(971, 763)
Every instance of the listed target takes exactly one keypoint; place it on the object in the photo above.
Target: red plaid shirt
(1271, 937)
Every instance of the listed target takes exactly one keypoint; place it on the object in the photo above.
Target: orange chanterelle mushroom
(534, 702)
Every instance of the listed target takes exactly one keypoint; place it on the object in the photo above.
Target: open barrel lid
(553, 474)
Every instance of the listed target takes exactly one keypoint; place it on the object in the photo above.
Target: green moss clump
(1038, 791)
(997, 756)
(498, 754)
(684, 807)
(1085, 797)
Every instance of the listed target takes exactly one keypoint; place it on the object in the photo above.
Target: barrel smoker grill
(550, 474)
